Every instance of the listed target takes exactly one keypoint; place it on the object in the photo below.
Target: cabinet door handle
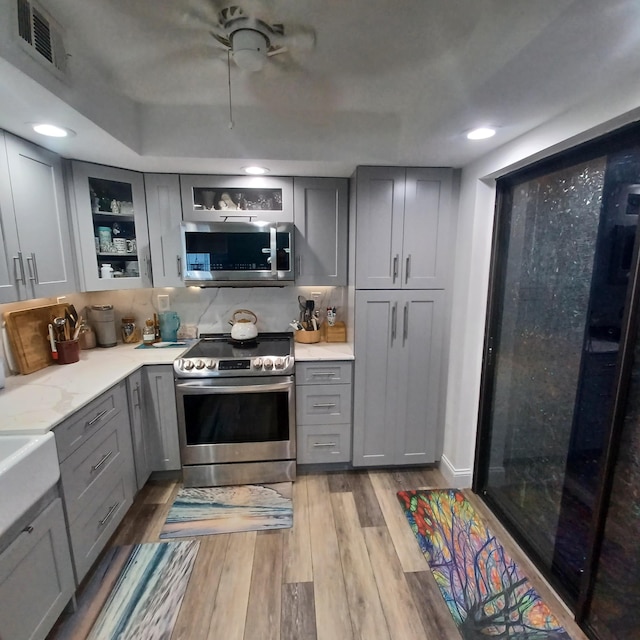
(136, 391)
(109, 514)
(407, 268)
(28, 529)
(324, 444)
(18, 268)
(394, 322)
(396, 259)
(102, 460)
(147, 261)
(98, 417)
(405, 325)
(299, 261)
(33, 268)
(324, 404)
(179, 260)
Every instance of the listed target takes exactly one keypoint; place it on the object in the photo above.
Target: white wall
(612, 108)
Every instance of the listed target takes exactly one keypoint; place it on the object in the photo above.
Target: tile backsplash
(210, 309)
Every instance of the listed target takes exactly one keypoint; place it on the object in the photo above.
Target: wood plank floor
(350, 567)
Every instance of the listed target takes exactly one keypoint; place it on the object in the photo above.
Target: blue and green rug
(135, 592)
(485, 591)
(210, 510)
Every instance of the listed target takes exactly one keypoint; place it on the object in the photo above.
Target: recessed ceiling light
(52, 130)
(255, 171)
(481, 133)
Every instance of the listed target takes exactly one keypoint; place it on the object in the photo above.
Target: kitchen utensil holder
(306, 337)
(68, 351)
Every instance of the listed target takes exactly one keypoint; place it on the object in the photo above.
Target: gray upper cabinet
(321, 220)
(397, 381)
(402, 218)
(36, 260)
(110, 214)
(236, 198)
(164, 212)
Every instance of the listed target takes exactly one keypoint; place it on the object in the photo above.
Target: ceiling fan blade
(296, 38)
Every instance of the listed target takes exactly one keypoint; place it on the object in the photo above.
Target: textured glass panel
(547, 280)
(615, 608)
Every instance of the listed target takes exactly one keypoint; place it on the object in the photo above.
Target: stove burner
(217, 355)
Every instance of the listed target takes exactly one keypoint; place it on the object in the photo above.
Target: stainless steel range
(236, 410)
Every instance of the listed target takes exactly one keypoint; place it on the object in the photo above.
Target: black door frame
(627, 137)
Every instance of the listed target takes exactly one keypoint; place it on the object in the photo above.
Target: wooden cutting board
(29, 335)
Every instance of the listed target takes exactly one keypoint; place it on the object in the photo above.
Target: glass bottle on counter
(86, 337)
(149, 332)
(130, 333)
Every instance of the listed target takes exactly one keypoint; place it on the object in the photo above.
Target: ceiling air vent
(40, 35)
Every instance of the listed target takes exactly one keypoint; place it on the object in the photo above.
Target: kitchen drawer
(323, 372)
(323, 404)
(85, 422)
(93, 528)
(94, 464)
(324, 444)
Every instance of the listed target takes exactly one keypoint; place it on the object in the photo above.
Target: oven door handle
(196, 389)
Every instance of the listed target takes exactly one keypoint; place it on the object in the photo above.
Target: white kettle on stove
(243, 325)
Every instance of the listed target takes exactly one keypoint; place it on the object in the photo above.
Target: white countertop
(35, 403)
(323, 351)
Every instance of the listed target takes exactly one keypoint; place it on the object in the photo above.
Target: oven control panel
(215, 367)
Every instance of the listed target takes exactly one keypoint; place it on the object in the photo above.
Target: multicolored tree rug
(487, 594)
(210, 510)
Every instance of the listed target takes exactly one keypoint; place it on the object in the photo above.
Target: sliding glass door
(560, 307)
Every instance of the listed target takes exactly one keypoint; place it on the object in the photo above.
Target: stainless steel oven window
(218, 417)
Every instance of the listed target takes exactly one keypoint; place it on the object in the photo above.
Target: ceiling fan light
(249, 49)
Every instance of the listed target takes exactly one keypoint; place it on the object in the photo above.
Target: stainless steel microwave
(237, 253)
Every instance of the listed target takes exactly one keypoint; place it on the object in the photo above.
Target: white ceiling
(388, 82)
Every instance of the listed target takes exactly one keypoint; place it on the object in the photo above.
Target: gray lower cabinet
(164, 214)
(139, 428)
(397, 382)
(35, 241)
(161, 418)
(36, 577)
(321, 216)
(323, 412)
(97, 474)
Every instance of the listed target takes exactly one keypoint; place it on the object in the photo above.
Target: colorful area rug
(135, 592)
(210, 510)
(487, 594)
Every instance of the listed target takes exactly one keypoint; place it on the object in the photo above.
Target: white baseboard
(456, 478)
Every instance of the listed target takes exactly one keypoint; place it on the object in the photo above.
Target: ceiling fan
(248, 39)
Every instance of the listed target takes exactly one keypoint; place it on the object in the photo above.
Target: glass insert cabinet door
(112, 227)
(236, 198)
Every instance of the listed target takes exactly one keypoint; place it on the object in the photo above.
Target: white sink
(28, 469)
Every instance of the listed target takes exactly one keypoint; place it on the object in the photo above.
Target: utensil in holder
(68, 351)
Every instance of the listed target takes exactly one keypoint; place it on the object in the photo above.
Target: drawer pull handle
(109, 514)
(104, 458)
(98, 417)
(325, 404)
(324, 444)
(28, 529)
(323, 373)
